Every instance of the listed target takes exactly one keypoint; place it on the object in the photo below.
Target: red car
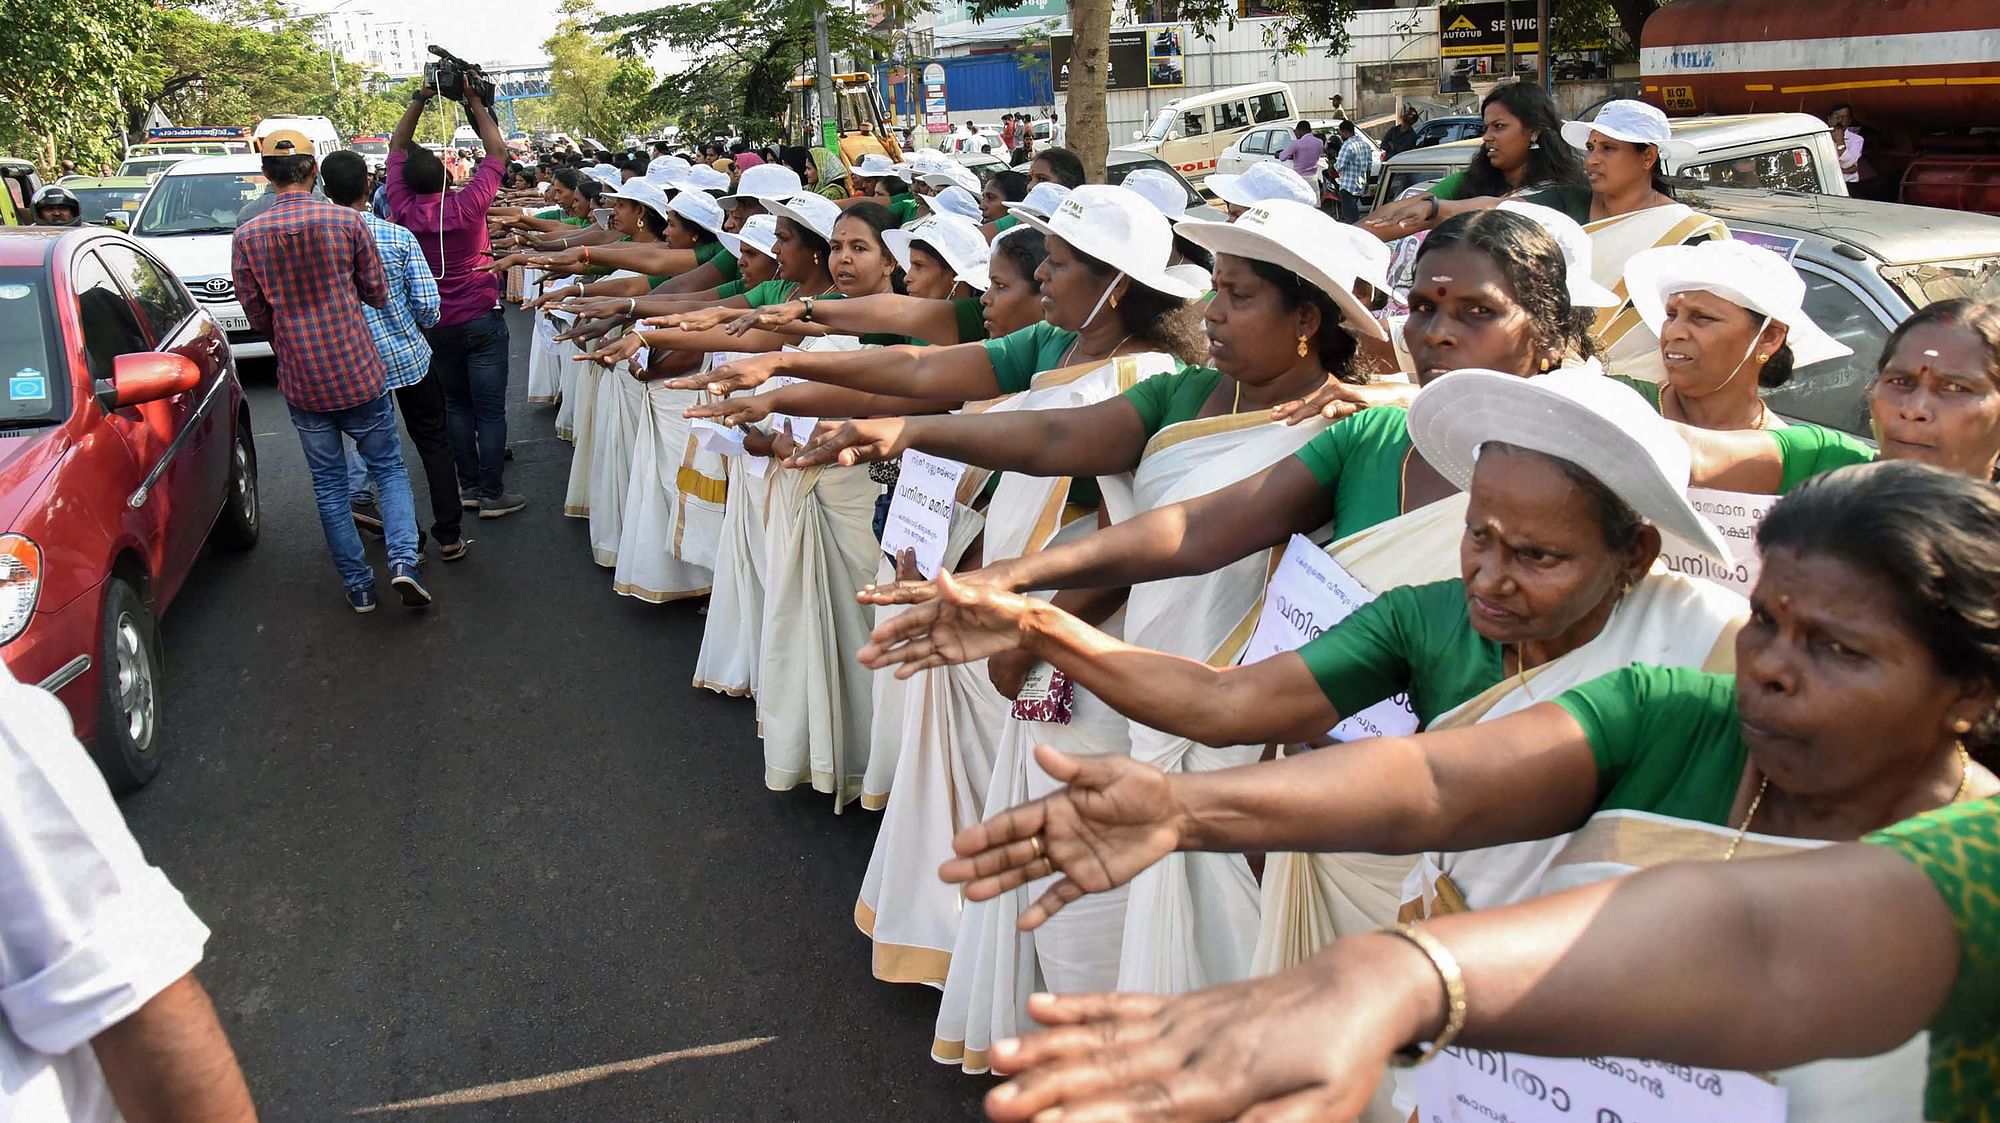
(124, 446)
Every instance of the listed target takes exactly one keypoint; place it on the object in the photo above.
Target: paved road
(504, 840)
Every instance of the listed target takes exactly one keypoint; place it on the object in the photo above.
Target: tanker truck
(1922, 76)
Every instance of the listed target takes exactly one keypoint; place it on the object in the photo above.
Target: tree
(248, 60)
(59, 75)
(598, 86)
(745, 51)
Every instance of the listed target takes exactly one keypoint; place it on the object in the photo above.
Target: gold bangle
(1454, 995)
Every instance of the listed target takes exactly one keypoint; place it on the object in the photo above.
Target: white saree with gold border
(934, 751)
(1625, 344)
(674, 503)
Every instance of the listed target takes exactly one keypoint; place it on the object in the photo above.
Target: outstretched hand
(959, 623)
(746, 373)
(847, 443)
(615, 352)
(1115, 817)
(1336, 399)
(706, 319)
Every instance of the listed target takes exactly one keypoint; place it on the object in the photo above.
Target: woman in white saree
(1853, 697)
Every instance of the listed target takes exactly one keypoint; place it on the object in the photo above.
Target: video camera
(450, 75)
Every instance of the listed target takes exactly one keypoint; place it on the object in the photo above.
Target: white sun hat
(700, 208)
(956, 240)
(954, 200)
(759, 233)
(1372, 253)
(643, 193)
(1576, 250)
(1119, 228)
(764, 182)
(875, 166)
(1599, 424)
(1303, 239)
(1159, 189)
(954, 175)
(667, 171)
(1633, 122)
(816, 213)
(1042, 199)
(701, 177)
(1750, 277)
(1265, 180)
(604, 174)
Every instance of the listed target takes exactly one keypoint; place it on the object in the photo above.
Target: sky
(487, 30)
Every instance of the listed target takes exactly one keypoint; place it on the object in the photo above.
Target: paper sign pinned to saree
(1309, 593)
(920, 513)
(1478, 1086)
(1736, 514)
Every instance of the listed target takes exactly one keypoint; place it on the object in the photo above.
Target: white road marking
(556, 1081)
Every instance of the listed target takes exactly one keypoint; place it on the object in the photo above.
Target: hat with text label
(1302, 239)
(816, 213)
(1751, 277)
(954, 239)
(1117, 227)
(1574, 414)
(1042, 199)
(760, 233)
(1261, 182)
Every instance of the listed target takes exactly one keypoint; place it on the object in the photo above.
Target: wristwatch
(808, 302)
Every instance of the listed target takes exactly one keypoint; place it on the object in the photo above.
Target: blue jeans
(373, 427)
(470, 361)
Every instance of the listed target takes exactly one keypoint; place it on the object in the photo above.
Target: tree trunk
(1090, 56)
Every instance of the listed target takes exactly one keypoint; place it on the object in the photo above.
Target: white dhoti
(544, 373)
(580, 398)
(621, 400)
(730, 647)
(673, 505)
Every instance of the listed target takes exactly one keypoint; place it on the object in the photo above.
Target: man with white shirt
(101, 1018)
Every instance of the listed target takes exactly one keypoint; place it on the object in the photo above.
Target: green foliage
(59, 70)
(210, 65)
(1322, 24)
(598, 86)
(745, 52)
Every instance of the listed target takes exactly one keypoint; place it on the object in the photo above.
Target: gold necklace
(1764, 782)
(1070, 352)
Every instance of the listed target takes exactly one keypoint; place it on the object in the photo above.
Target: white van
(1190, 132)
(188, 221)
(325, 138)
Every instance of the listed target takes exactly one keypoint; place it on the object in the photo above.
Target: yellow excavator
(862, 129)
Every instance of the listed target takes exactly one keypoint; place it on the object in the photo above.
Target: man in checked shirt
(303, 270)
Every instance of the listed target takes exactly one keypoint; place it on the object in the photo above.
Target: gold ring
(1035, 840)
(1051, 864)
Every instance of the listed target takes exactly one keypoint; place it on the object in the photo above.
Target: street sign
(1140, 58)
(936, 119)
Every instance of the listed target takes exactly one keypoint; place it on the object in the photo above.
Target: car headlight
(20, 584)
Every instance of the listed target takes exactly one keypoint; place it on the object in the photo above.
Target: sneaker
(506, 504)
(468, 498)
(406, 584)
(361, 600)
(366, 515)
(453, 551)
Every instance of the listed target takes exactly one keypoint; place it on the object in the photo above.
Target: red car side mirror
(148, 376)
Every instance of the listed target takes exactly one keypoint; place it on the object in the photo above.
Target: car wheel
(127, 748)
(238, 525)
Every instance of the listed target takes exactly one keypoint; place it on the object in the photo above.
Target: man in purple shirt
(469, 343)
(1304, 153)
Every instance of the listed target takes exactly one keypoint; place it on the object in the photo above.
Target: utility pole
(1507, 17)
(1547, 35)
(829, 110)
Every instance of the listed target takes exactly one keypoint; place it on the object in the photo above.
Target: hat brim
(1245, 242)
(898, 240)
(1460, 411)
(1576, 134)
(781, 210)
(736, 244)
(1648, 277)
(1160, 282)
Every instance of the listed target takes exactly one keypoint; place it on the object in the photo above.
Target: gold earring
(1762, 357)
(1302, 346)
(1961, 727)
(1545, 366)
(1114, 301)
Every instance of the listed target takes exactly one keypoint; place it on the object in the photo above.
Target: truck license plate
(1680, 99)
(233, 323)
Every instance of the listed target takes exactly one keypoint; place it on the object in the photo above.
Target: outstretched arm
(957, 374)
(1094, 440)
(1747, 965)
(884, 313)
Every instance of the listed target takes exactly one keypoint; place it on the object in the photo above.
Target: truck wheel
(127, 748)
(237, 527)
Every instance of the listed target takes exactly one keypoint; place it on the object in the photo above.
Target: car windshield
(101, 201)
(1927, 282)
(147, 165)
(1162, 125)
(37, 390)
(372, 147)
(198, 204)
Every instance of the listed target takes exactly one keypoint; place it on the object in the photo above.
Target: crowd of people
(1259, 641)
(1052, 685)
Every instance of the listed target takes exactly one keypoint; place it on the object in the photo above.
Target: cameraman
(469, 343)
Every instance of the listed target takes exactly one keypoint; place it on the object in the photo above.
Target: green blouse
(904, 207)
(1171, 398)
(1666, 740)
(1006, 222)
(1413, 639)
(1958, 848)
(1018, 357)
(1807, 450)
(1360, 460)
(971, 317)
(731, 288)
